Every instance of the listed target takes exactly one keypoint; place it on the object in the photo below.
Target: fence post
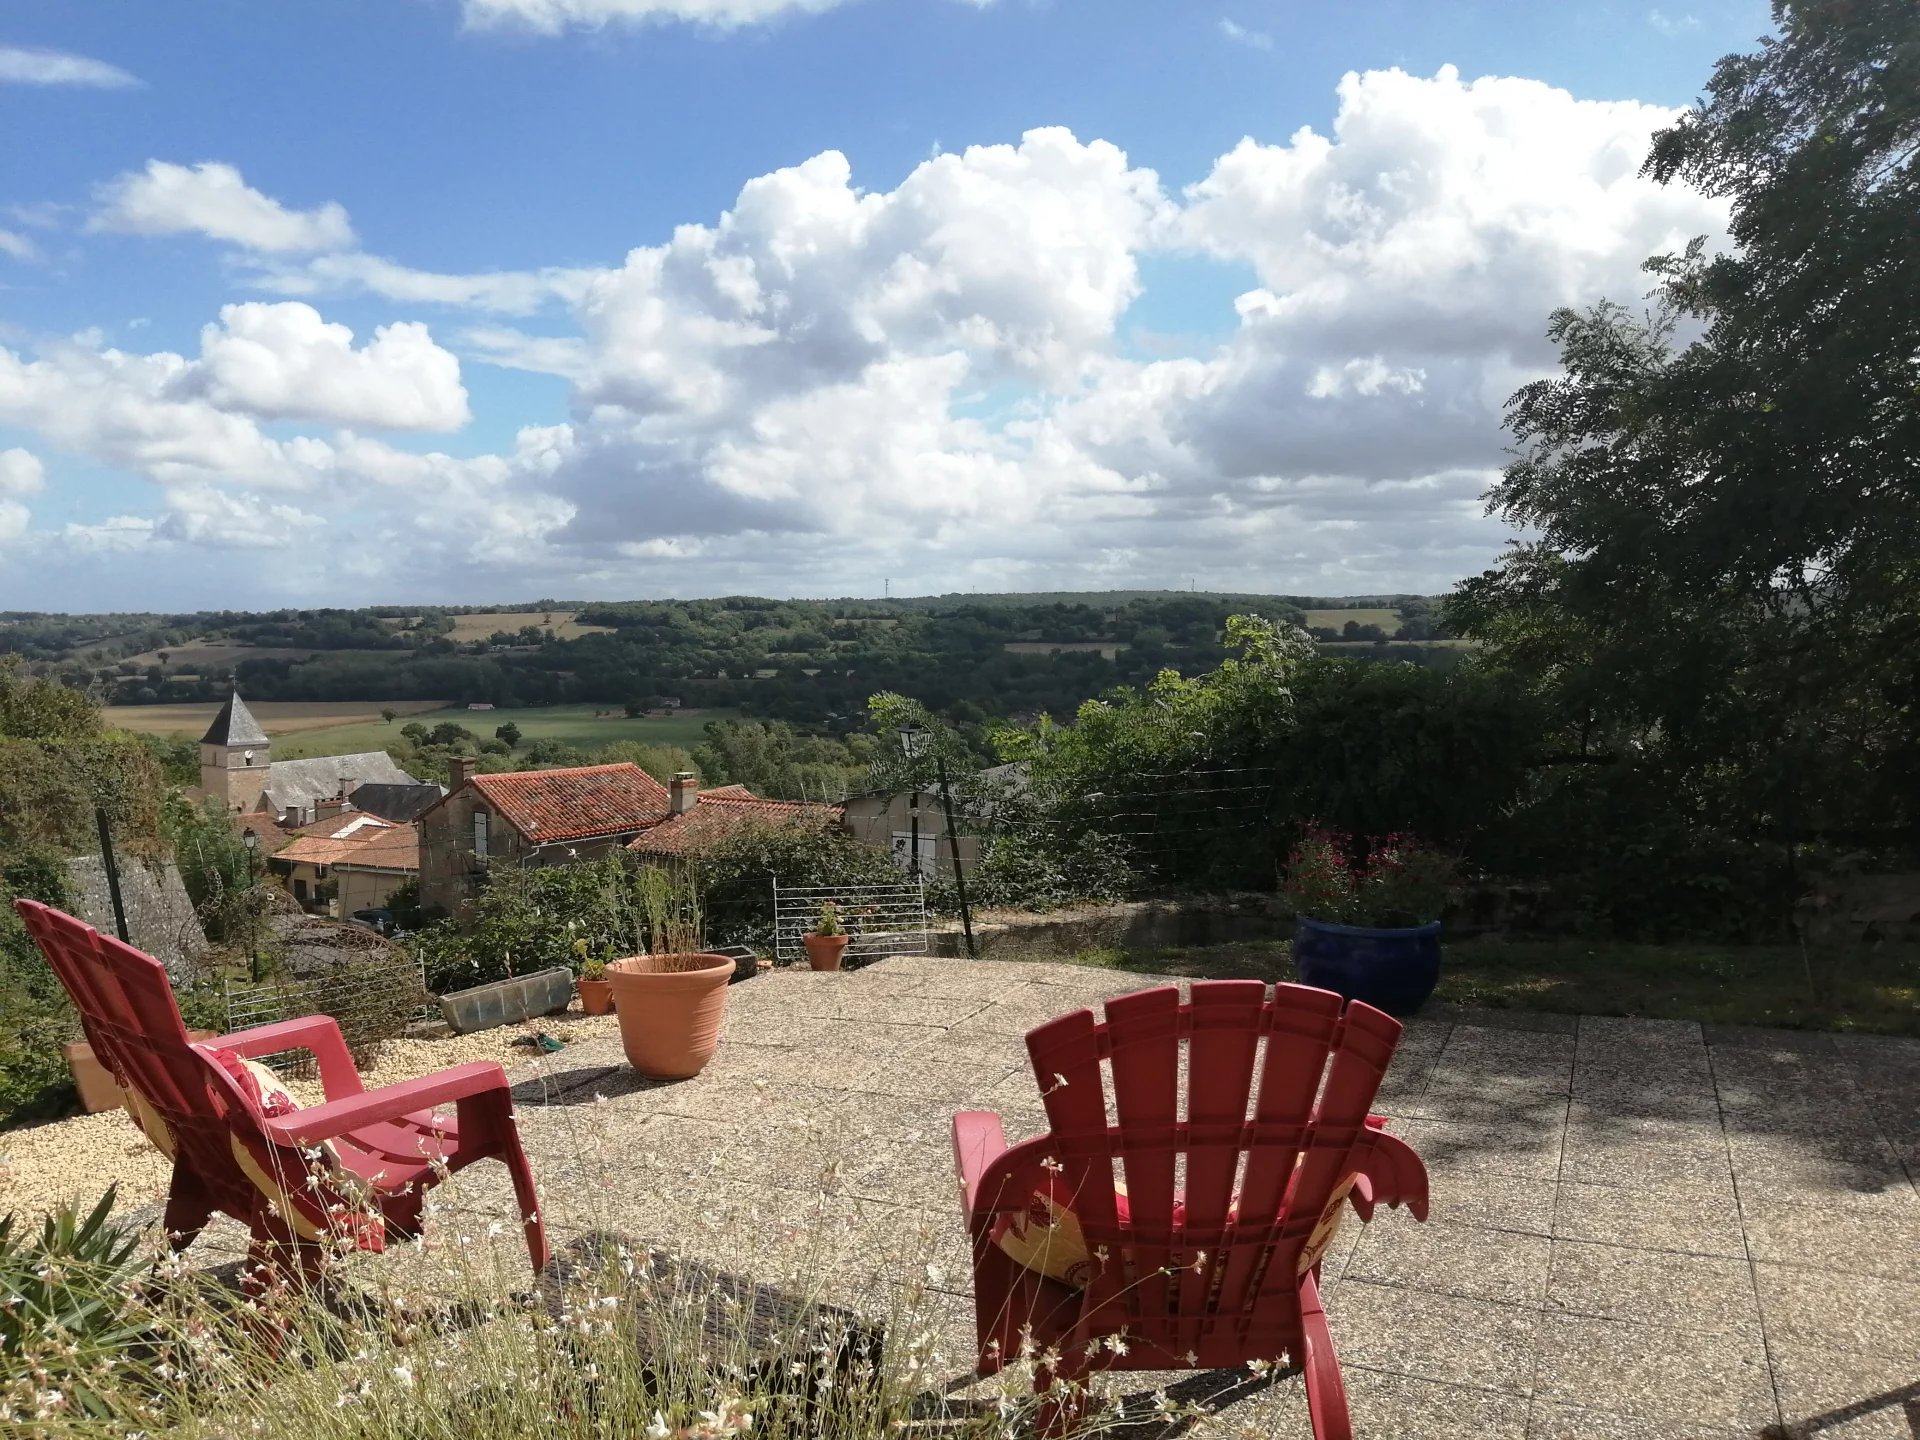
(953, 849)
(112, 868)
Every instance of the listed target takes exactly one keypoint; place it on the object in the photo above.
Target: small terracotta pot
(824, 951)
(596, 996)
(670, 1008)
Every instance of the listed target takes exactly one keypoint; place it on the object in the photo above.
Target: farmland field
(196, 656)
(279, 717)
(481, 624)
(569, 724)
(1387, 620)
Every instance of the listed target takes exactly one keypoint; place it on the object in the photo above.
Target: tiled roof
(397, 802)
(356, 839)
(548, 806)
(724, 812)
(234, 725)
(297, 784)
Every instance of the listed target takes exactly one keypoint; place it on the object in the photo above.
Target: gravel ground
(76, 1159)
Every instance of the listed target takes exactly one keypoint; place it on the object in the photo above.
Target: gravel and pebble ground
(76, 1159)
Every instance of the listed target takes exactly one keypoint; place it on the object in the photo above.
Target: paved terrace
(1639, 1228)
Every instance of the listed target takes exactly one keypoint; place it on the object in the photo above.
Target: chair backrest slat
(1144, 1031)
(1274, 1101)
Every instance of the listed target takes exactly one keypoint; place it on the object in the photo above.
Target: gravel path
(76, 1159)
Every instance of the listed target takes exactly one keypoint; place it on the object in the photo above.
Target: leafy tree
(387, 713)
(508, 734)
(416, 732)
(1721, 609)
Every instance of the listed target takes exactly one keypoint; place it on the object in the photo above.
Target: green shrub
(36, 1018)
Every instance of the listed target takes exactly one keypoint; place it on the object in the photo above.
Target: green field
(571, 724)
(1387, 620)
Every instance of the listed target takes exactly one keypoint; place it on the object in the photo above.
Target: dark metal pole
(953, 848)
(113, 873)
(913, 855)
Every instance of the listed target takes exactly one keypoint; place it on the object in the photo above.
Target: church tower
(234, 757)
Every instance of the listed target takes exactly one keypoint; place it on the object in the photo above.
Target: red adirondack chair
(1207, 1253)
(353, 1171)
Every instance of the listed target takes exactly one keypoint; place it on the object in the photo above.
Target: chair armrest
(978, 1139)
(1394, 1172)
(389, 1102)
(318, 1034)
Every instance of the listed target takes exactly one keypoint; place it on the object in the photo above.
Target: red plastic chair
(1229, 1198)
(352, 1172)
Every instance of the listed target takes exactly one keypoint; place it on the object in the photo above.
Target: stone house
(699, 818)
(349, 861)
(529, 817)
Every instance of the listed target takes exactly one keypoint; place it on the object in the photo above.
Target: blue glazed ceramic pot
(1393, 970)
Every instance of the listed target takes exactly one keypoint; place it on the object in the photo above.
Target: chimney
(459, 769)
(683, 792)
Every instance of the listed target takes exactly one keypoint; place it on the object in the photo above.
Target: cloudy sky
(465, 300)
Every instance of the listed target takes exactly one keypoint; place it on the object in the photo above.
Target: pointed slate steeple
(234, 725)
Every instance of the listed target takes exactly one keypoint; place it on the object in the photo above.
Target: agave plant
(66, 1312)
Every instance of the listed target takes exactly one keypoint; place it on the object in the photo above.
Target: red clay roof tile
(548, 806)
(723, 812)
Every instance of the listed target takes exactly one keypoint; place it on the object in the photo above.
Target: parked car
(378, 920)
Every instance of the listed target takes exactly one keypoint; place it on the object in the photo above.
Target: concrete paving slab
(1638, 1228)
(1666, 1376)
(1690, 1224)
(1434, 1337)
(1502, 1265)
(1654, 1287)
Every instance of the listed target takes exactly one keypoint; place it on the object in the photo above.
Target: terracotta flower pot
(95, 1082)
(670, 1008)
(596, 996)
(824, 951)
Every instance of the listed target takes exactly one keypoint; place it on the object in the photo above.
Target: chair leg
(278, 1259)
(1062, 1392)
(1326, 1391)
(188, 1210)
(527, 1197)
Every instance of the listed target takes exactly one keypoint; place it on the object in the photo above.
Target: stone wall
(160, 917)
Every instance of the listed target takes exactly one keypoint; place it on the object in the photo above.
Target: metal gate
(879, 919)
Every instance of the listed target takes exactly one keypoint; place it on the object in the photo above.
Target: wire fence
(373, 997)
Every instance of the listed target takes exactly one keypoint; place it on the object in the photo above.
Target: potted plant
(1369, 930)
(596, 991)
(672, 997)
(827, 941)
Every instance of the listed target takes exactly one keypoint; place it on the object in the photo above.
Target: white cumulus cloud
(21, 473)
(284, 362)
(937, 382)
(212, 199)
(20, 66)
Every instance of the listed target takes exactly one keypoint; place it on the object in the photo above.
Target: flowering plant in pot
(596, 991)
(1369, 928)
(827, 941)
(671, 997)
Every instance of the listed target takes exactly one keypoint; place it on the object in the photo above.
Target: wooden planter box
(507, 1002)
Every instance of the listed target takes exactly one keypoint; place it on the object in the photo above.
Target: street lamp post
(252, 843)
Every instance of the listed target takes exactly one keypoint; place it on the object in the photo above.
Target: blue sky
(1029, 365)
